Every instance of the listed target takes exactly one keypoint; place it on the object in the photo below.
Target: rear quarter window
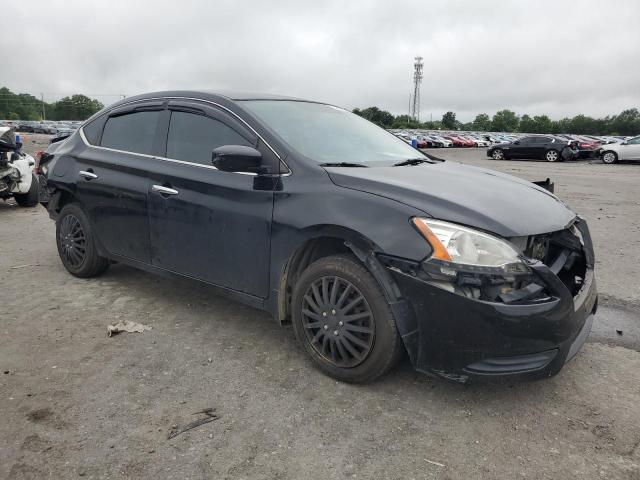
(93, 130)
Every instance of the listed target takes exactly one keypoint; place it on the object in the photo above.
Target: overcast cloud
(556, 57)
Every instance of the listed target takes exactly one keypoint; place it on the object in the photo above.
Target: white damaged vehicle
(17, 179)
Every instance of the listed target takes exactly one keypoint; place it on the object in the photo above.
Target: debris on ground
(435, 463)
(126, 326)
(210, 416)
(619, 332)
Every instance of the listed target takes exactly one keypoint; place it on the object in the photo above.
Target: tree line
(626, 122)
(23, 106)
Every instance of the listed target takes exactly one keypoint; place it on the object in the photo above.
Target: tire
(76, 243)
(497, 154)
(29, 199)
(321, 307)
(552, 155)
(609, 157)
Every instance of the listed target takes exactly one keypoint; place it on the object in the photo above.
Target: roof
(239, 95)
(213, 94)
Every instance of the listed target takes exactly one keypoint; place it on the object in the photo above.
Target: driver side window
(193, 137)
(634, 141)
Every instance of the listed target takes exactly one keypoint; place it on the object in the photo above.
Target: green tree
(562, 126)
(432, 125)
(76, 107)
(377, 116)
(449, 121)
(527, 125)
(542, 124)
(19, 106)
(404, 121)
(482, 122)
(505, 121)
(583, 124)
(627, 122)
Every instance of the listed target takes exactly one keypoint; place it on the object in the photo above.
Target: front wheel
(552, 156)
(609, 157)
(497, 154)
(29, 199)
(343, 320)
(76, 243)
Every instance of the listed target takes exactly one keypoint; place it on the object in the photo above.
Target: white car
(445, 141)
(482, 142)
(16, 171)
(627, 150)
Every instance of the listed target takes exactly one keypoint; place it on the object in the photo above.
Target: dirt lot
(76, 403)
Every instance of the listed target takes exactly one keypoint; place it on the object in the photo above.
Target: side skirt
(241, 297)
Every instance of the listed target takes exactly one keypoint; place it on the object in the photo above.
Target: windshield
(329, 134)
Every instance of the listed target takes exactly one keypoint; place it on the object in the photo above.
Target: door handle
(164, 190)
(87, 175)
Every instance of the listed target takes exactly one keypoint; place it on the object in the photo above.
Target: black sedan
(551, 149)
(369, 247)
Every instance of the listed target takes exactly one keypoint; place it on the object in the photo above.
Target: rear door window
(193, 137)
(132, 132)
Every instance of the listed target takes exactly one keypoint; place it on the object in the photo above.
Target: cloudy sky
(557, 57)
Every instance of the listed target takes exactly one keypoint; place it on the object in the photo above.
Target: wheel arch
(325, 240)
(320, 241)
(315, 242)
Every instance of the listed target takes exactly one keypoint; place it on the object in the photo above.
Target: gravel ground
(76, 403)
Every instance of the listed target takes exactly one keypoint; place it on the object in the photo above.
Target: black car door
(112, 178)
(521, 149)
(206, 223)
(536, 147)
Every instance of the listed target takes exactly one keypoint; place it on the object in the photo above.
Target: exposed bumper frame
(462, 338)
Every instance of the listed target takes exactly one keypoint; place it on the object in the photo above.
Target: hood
(477, 197)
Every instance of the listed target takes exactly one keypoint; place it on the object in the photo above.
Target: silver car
(626, 150)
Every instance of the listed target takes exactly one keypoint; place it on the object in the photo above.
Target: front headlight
(466, 247)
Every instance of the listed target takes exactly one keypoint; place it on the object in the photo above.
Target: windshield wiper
(342, 164)
(411, 161)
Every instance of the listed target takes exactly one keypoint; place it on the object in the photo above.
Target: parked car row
(551, 147)
(438, 139)
(46, 127)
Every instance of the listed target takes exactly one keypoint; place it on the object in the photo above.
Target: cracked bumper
(462, 338)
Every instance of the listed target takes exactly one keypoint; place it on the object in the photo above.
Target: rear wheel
(29, 199)
(76, 244)
(552, 156)
(497, 154)
(609, 157)
(343, 320)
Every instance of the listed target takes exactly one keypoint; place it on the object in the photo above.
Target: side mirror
(237, 158)
(625, 143)
(517, 142)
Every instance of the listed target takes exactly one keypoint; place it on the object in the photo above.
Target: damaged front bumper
(463, 338)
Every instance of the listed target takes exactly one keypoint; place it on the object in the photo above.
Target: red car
(459, 141)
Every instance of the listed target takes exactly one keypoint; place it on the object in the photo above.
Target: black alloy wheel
(77, 244)
(72, 241)
(338, 321)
